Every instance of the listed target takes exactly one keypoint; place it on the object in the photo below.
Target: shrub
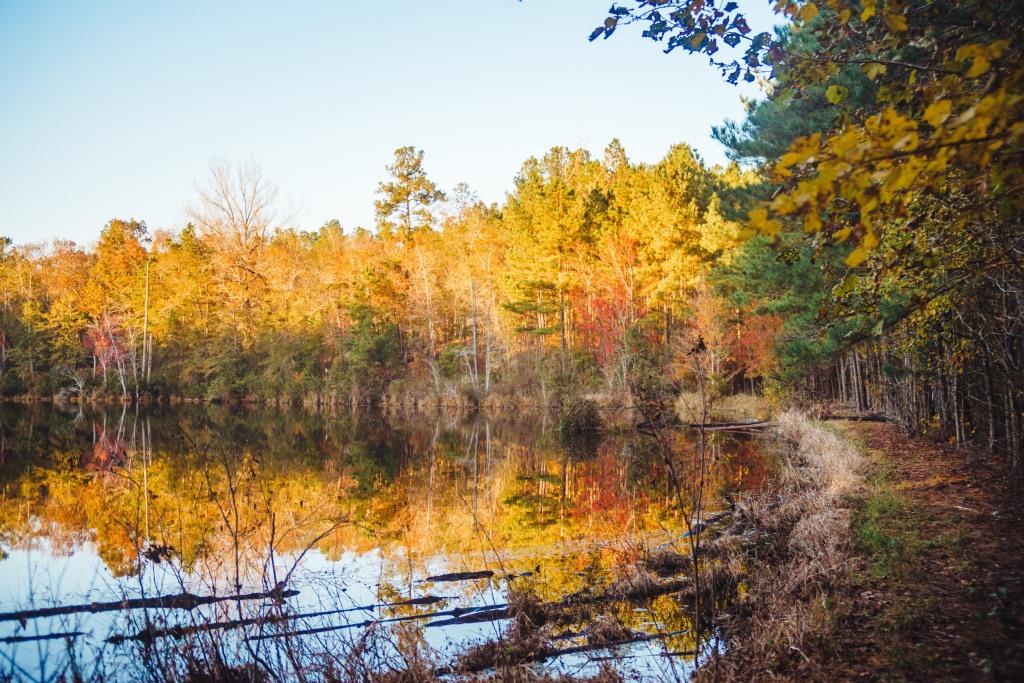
(579, 416)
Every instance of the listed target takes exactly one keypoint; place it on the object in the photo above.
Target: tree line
(578, 281)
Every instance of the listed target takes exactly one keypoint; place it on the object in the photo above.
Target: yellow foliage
(925, 124)
(897, 22)
(856, 257)
(868, 11)
(760, 222)
(938, 112)
(874, 70)
(836, 93)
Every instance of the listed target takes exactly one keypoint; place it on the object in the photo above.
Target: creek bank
(788, 549)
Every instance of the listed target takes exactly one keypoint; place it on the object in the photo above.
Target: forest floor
(939, 575)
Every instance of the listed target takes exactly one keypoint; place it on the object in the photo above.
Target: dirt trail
(940, 594)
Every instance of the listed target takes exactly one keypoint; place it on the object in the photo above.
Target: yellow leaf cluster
(876, 167)
(759, 221)
(836, 93)
(938, 112)
(869, 10)
(980, 56)
(801, 151)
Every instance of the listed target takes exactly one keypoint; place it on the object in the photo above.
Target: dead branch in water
(458, 611)
(45, 636)
(737, 426)
(150, 634)
(186, 601)
(700, 526)
(459, 576)
(743, 426)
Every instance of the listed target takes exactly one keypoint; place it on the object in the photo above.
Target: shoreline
(925, 578)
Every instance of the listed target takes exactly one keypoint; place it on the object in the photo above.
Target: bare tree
(235, 213)
(234, 216)
(76, 376)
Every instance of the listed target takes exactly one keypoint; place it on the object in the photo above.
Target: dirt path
(940, 591)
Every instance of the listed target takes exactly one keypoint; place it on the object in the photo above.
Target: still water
(356, 513)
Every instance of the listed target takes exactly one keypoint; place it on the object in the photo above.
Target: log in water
(185, 601)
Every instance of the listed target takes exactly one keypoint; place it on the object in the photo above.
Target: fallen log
(458, 611)
(615, 658)
(480, 617)
(149, 634)
(860, 417)
(459, 576)
(45, 636)
(751, 425)
(185, 601)
(486, 613)
(713, 519)
(756, 425)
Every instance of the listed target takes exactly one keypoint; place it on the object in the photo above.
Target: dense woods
(591, 267)
(890, 148)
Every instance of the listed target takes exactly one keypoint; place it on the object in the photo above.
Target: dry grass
(503, 653)
(607, 630)
(792, 549)
(666, 562)
(522, 674)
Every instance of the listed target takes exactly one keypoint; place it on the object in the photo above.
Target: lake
(403, 538)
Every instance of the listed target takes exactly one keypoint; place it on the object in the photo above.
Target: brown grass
(522, 674)
(792, 550)
(666, 562)
(607, 630)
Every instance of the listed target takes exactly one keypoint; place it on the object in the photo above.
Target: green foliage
(291, 366)
(646, 358)
(451, 361)
(372, 353)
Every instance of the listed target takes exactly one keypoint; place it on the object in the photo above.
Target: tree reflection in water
(351, 511)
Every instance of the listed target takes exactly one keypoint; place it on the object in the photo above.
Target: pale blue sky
(116, 109)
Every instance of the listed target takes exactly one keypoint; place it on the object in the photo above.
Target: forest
(864, 245)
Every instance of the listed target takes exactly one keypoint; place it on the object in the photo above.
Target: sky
(117, 109)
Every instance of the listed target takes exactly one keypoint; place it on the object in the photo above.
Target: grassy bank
(790, 551)
(879, 557)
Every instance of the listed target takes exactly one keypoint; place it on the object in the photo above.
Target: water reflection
(351, 511)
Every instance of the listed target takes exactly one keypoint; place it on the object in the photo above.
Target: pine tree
(406, 201)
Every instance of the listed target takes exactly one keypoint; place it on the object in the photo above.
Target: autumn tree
(552, 218)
